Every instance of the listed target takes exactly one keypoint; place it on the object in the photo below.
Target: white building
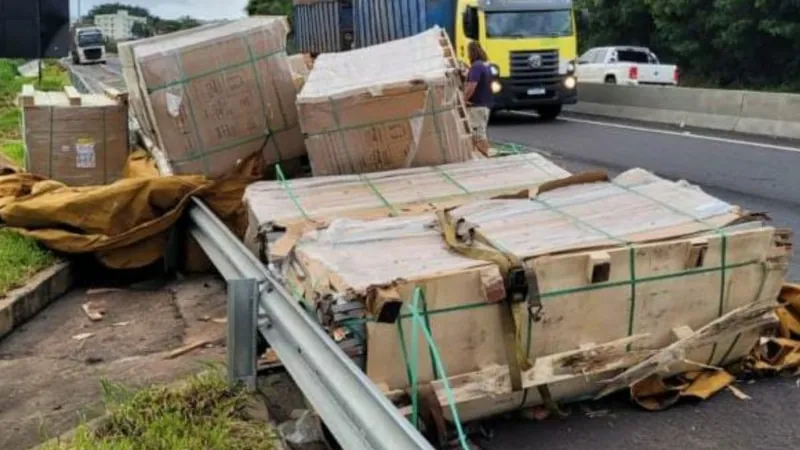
(118, 26)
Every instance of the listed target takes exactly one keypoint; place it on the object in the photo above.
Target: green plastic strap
(432, 112)
(386, 203)
(200, 146)
(452, 180)
(184, 79)
(287, 187)
(514, 150)
(340, 131)
(214, 150)
(723, 252)
(257, 76)
(412, 365)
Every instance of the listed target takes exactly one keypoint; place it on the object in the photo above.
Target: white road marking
(685, 134)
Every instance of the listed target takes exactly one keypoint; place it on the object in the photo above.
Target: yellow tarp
(126, 223)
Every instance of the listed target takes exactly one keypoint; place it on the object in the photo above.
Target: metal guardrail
(358, 415)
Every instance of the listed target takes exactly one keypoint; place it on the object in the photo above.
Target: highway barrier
(767, 114)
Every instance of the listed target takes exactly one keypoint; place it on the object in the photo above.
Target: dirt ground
(51, 369)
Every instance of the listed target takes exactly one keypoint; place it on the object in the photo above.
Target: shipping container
(378, 21)
(323, 26)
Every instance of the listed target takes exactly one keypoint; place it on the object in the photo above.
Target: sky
(171, 9)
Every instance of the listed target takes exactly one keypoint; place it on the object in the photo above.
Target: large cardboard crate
(390, 106)
(284, 208)
(217, 94)
(77, 139)
(632, 271)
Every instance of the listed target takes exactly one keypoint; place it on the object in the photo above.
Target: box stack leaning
(502, 283)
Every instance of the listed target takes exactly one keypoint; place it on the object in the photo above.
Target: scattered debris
(187, 348)
(537, 413)
(738, 393)
(94, 311)
(121, 324)
(303, 429)
(82, 336)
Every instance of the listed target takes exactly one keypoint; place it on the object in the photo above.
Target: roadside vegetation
(20, 257)
(202, 413)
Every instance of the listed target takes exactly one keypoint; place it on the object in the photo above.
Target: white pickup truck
(625, 65)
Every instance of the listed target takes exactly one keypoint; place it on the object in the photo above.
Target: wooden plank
(73, 95)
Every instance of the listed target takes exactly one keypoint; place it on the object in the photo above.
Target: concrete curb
(757, 113)
(23, 303)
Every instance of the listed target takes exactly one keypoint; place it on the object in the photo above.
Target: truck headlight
(571, 67)
(494, 70)
(570, 82)
(496, 87)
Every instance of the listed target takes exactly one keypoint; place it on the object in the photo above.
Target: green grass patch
(203, 413)
(20, 258)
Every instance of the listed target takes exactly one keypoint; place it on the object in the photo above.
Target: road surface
(757, 174)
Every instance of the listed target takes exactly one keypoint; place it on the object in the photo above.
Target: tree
(141, 30)
(112, 8)
(269, 7)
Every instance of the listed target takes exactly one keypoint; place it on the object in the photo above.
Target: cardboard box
(622, 268)
(77, 139)
(276, 206)
(390, 106)
(217, 94)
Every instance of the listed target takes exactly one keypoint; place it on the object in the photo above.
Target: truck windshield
(86, 38)
(523, 24)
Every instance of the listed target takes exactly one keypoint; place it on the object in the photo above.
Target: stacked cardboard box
(217, 94)
(78, 139)
(294, 205)
(389, 106)
(618, 269)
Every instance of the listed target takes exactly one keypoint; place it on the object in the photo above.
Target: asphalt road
(757, 175)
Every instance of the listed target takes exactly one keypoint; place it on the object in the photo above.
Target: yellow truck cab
(532, 48)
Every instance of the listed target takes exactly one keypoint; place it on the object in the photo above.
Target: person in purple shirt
(478, 94)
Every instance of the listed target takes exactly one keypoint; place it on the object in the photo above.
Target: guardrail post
(242, 329)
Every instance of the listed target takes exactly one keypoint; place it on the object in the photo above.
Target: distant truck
(531, 44)
(88, 45)
(631, 66)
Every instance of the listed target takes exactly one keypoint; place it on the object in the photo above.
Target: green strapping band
(287, 187)
(361, 126)
(723, 254)
(252, 62)
(598, 286)
(200, 145)
(452, 180)
(340, 130)
(184, 79)
(386, 203)
(412, 367)
(200, 155)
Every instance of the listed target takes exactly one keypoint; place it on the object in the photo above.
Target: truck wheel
(611, 79)
(549, 112)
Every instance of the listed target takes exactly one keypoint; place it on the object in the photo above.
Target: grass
(20, 257)
(203, 413)
(54, 78)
